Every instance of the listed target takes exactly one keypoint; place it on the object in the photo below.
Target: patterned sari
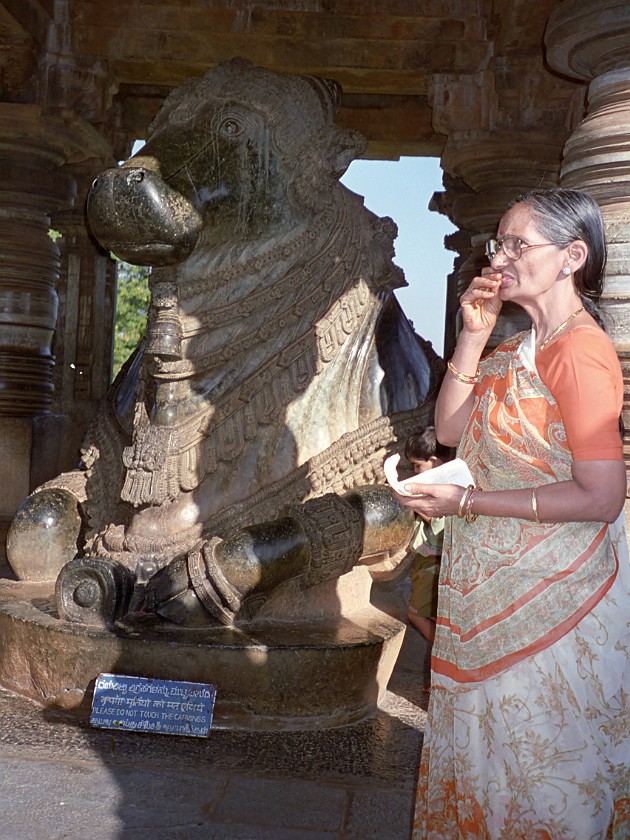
(529, 717)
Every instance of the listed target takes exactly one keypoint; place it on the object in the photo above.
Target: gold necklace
(560, 328)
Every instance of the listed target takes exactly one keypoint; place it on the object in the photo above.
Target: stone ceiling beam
(394, 51)
(394, 125)
(353, 80)
(420, 56)
(31, 16)
(411, 25)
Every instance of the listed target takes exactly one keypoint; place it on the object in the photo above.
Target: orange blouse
(582, 372)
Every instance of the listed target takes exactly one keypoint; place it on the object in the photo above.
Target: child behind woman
(423, 453)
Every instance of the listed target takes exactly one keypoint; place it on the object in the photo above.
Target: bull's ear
(347, 145)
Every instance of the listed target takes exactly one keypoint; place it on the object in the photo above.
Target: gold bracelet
(535, 507)
(462, 377)
(470, 516)
(461, 510)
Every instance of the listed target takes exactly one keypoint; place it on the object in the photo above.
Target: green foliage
(132, 302)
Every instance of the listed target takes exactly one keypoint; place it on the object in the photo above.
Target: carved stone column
(513, 142)
(491, 169)
(592, 42)
(35, 183)
(31, 185)
(84, 334)
(84, 338)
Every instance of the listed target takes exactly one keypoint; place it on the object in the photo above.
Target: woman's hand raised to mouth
(481, 303)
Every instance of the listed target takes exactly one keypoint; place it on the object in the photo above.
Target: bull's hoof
(94, 591)
(171, 595)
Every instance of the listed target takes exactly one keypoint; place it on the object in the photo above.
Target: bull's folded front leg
(211, 584)
(224, 581)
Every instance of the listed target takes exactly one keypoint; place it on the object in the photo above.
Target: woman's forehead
(516, 221)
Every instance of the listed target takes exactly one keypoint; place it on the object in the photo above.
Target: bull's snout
(140, 218)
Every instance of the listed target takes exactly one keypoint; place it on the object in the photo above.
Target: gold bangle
(461, 510)
(535, 507)
(462, 377)
(470, 516)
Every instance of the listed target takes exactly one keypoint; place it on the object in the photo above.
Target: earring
(566, 271)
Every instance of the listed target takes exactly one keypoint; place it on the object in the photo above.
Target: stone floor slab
(286, 803)
(376, 814)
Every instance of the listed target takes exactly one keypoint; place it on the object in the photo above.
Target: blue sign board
(144, 704)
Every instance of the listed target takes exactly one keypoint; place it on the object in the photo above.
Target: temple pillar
(35, 184)
(591, 42)
(31, 186)
(488, 170)
(513, 143)
(87, 283)
(84, 334)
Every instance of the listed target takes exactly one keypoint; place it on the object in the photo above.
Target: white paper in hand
(452, 472)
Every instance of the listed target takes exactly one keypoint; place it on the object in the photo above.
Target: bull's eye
(136, 176)
(230, 128)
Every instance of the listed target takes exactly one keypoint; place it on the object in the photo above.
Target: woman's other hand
(431, 500)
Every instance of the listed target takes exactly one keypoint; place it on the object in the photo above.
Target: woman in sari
(529, 720)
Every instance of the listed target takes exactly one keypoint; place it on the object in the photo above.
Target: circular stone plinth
(277, 676)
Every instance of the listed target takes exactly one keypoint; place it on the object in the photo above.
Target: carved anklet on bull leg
(228, 580)
(213, 589)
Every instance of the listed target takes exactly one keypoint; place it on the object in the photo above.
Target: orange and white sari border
(543, 585)
(459, 675)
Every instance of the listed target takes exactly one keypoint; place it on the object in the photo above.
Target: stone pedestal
(271, 676)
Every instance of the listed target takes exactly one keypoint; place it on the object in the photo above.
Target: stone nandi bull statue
(236, 461)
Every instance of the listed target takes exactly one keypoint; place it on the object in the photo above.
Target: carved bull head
(231, 155)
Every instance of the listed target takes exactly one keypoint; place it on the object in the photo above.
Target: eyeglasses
(512, 247)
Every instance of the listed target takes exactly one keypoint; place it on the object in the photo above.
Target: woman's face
(535, 273)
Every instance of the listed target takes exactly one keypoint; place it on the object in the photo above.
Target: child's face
(421, 465)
